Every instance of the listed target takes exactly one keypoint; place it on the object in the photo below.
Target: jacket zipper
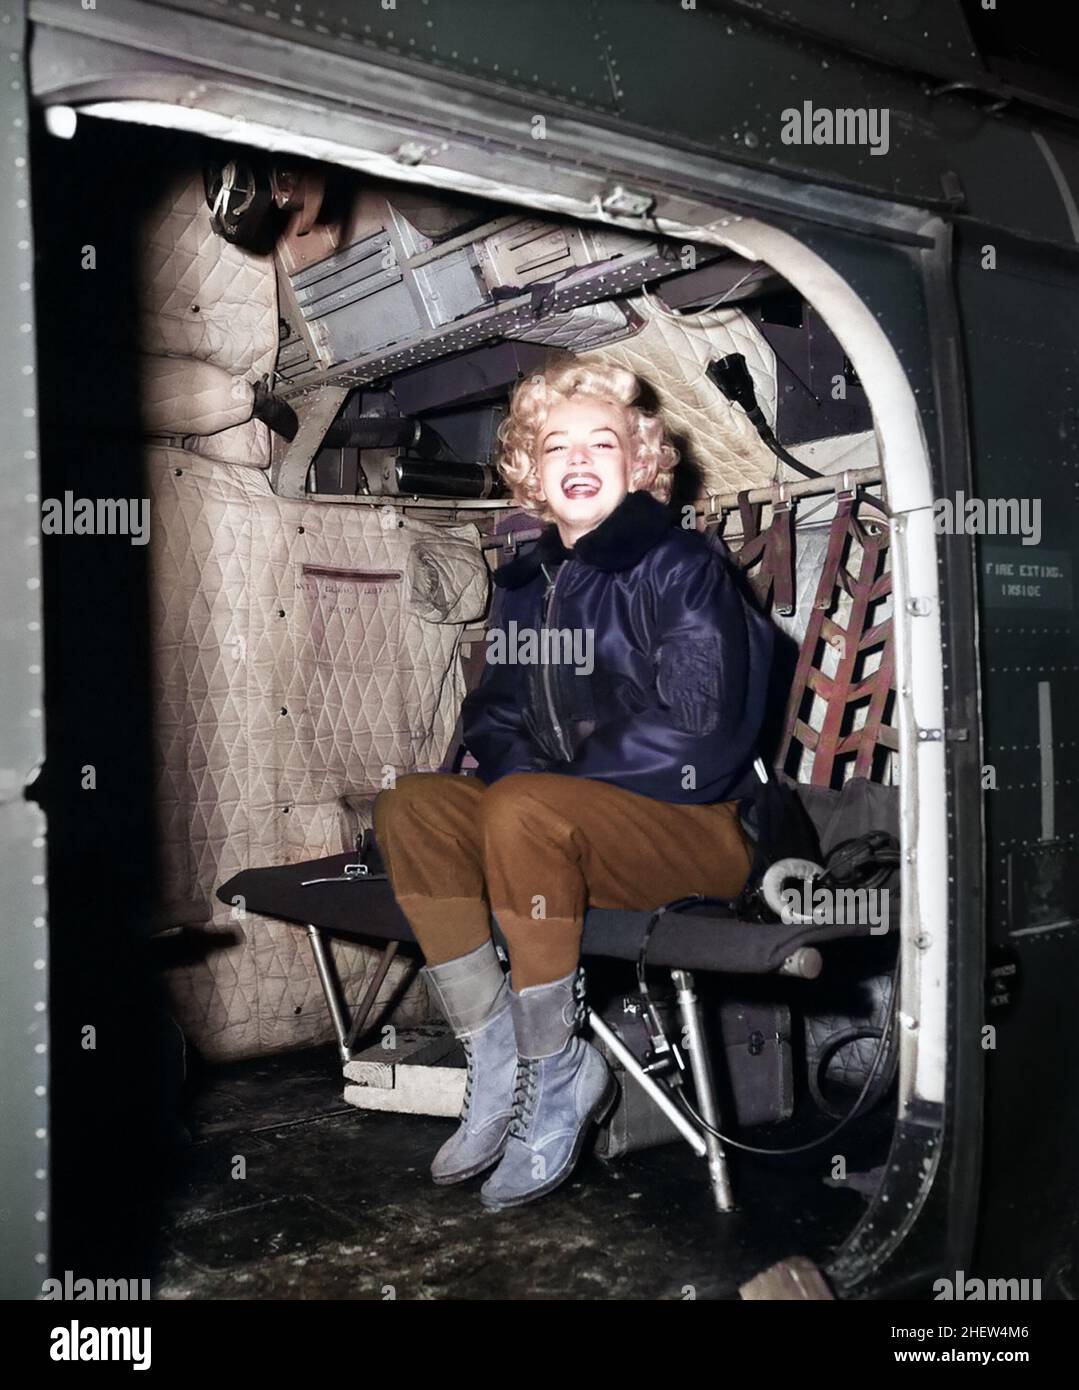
(548, 608)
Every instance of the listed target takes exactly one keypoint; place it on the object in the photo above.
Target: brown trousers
(538, 849)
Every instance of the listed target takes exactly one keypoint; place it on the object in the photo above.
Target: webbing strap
(773, 548)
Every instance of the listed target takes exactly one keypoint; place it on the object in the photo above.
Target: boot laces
(524, 1096)
(580, 992)
(470, 1076)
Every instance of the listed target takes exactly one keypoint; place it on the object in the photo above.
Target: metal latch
(349, 874)
(627, 202)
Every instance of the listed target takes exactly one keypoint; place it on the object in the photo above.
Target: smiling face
(583, 463)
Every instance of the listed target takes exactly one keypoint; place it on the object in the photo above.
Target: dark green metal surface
(24, 1075)
(1024, 393)
(715, 79)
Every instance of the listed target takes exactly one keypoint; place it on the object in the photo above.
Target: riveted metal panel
(929, 36)
(1019, 306)
(690, 85)
(554, 49)
(24, 1076)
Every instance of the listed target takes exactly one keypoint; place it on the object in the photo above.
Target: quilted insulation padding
(672, 353)
(247, 445)
(578, 329)
(207, 329)
(181, 395)
(292, 669)
(199, 295)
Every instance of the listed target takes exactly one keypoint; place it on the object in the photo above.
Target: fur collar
(621, 539)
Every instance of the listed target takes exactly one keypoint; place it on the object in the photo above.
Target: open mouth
(580, 485)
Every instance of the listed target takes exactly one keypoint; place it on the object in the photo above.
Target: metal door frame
(24, 1075)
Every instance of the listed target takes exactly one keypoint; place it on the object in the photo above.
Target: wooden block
(375, 1066)
(424, 1074)
(793, 1279)
(431, 1090)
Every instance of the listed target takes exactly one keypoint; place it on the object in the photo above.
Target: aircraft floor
(337, 1203)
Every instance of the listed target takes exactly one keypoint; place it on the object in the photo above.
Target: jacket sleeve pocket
(688, 682)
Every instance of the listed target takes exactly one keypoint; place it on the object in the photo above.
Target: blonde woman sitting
(614, 728)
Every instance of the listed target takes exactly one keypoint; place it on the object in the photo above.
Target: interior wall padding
(207, 326)
(295, 665)
(200, 295)
(672, 352)
(181, 395)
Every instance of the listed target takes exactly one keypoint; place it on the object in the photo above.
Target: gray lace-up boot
(563, 1086)
(473, 993)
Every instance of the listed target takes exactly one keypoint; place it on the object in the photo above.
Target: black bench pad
(699, 938)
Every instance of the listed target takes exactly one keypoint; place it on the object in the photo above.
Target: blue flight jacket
(654, 672)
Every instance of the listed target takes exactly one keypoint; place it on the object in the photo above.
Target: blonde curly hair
(652, 455)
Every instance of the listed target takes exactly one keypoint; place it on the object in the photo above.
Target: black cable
(829, 1134)
(681, 1099)
(812, 1143)
(731, 375)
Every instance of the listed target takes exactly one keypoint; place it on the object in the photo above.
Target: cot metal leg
(346, 1029)
(367, 1003)
(700, 1065)
(331, 988)
(688, 1130)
